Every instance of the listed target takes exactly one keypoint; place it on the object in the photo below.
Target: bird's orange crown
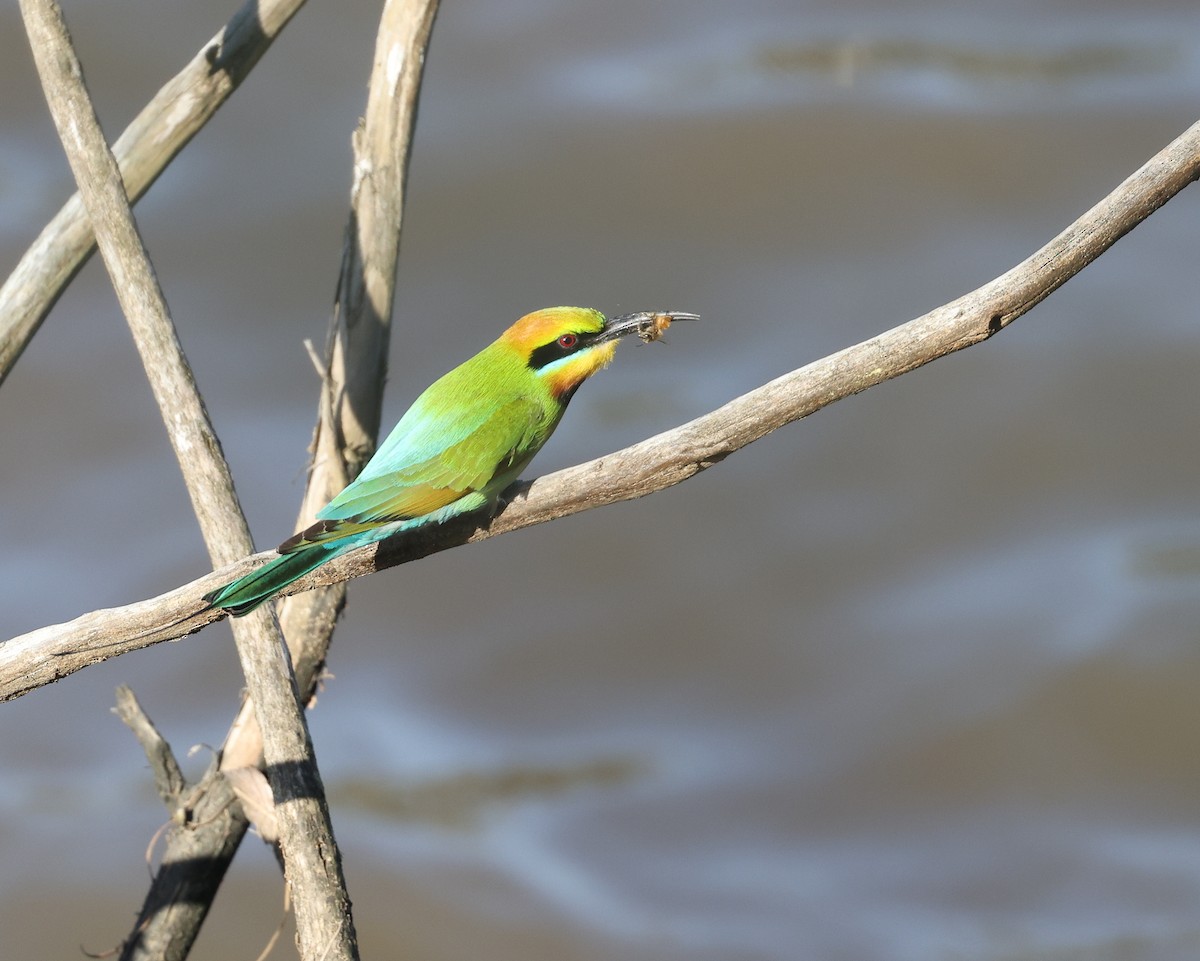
(562, 345)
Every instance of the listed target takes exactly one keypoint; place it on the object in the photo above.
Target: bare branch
(165, 125)
(659, 462)
(324, 925)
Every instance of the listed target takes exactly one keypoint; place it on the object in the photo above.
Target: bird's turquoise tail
(246, 593)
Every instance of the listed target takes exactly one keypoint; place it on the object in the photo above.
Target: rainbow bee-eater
(463, 441)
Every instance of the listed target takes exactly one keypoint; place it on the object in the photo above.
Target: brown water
(916, 678)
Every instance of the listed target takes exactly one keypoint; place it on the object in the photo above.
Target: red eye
(567, 341)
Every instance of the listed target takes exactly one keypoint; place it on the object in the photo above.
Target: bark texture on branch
(662, 461)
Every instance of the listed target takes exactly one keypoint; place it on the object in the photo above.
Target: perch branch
(324, 925)
(149, 143)
(44, 655)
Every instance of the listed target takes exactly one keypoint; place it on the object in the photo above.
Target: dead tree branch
(49, 653)
(324, 924)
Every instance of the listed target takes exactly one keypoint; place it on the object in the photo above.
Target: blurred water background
(913, 679)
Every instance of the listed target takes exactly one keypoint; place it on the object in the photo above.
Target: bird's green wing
(423, 473)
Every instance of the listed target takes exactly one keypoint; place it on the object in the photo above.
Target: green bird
(463, 441)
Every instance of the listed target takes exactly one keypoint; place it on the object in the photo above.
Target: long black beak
(647, 324)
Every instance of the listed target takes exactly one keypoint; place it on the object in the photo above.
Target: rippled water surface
(913, 679)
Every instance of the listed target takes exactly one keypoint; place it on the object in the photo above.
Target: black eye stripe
(539, 357)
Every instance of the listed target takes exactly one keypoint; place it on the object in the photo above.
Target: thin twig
(168, 778)
(49, 653)
(313, 864)
(148, 145)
